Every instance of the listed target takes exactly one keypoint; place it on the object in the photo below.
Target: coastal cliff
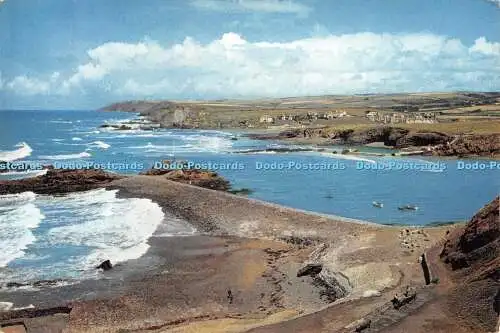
(473, 255)
(435, 143)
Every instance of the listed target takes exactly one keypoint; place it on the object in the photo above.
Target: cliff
(473, 255)
(478, 242)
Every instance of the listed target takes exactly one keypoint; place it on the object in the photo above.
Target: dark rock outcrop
(478, 242)
(105, 265)
(310, 269)
(390, 136)
(35, 284)
(197, 177)
(470, 145)
(422, 139)
(473, 253)
(59, 181)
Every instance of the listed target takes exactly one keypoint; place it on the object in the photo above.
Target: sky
(74, 54)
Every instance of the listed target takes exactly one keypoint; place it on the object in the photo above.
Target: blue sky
(83, 54)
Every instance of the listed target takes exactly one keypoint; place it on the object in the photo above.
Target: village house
(399, 118)
(266, 119)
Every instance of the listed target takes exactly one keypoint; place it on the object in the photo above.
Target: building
(266, 119)
(402, 118)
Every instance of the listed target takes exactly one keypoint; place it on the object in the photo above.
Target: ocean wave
(348, 157)
(100, 144)
(114, 228)
(203, 143)
(24, 150)
(18, 217)
(6, 306)
(66, 156)
(23, 174)
(76, 139)
(9, 199)
(59, 121)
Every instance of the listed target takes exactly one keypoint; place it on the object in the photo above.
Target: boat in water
(377, 204)
(408, 207)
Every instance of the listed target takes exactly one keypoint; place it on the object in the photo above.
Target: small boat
(408, 207)
(377, 204)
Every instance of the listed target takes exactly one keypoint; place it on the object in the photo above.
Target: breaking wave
(100, 144)
(113, 228)
(24, 150)
(66, 156)
(18, 217)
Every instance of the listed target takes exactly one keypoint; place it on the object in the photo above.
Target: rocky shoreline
(259, 267)
(62, 181)
(409, 142)
(427, 143)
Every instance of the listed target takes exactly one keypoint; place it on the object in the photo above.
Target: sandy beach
(239, 272)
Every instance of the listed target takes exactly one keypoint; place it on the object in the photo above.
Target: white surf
(24, 150)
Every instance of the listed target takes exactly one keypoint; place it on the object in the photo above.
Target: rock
(59, 181)
(473, 254)
(421, 139)
(362, 324)
(123, 128)
(310, 269)
(242, 191)
(179, 172)
(105, 265)
(13, 328)
(35, 284)
(407, 297)
(478, 242)
(470, 145)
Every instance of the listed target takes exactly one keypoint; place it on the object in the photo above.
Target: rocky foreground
(259, 267)
(59, 181)
(62, 181)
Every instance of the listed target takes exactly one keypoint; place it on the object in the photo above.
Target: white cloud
(24, 85)
(481, 45)
(233, 67)
(264, 6)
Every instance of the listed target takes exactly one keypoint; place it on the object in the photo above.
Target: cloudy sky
(77, 54)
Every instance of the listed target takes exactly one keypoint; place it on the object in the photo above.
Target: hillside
(420, 109)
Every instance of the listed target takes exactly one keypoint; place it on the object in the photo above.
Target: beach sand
(238, 273)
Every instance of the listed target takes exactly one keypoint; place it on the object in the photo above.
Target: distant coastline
(439, 124)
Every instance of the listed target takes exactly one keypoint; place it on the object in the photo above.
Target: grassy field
(464, 126)
(463, 112)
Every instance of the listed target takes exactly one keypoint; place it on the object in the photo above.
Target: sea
(44, 237)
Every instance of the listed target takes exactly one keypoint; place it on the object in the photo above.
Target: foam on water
(6, 306)
(24, 150)
(113, 228)
(66, 156)
(60, 121)
(18, 217)
(78, 232)
(188, 143)
(348, 157)
(22, 174)
(100, 144)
